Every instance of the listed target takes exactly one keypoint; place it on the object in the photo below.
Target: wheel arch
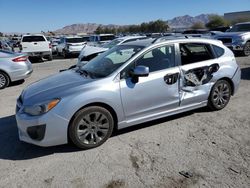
(100, 104)
(1, 70)
(230, 82)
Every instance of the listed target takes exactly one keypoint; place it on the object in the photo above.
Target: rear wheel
(4, 80)
(220, 95)
(65, 54)
(246, 51)
(50, 58)
(91, 127)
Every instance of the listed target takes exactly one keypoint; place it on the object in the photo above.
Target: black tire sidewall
(6, 78)
(73, 126)
(211, 104)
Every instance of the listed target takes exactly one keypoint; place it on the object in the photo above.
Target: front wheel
(246, 51)
(220, 95)
(91, 127)
(4, 80)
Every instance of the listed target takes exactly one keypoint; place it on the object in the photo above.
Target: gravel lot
(213, 148)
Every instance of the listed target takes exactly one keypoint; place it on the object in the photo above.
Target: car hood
(233, 34)
(57, 86)
(89, 50)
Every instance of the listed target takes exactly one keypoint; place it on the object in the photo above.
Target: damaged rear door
(197, 66)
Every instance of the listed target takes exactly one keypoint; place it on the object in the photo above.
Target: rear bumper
(24, 71)
(39, 54)
(236, 79)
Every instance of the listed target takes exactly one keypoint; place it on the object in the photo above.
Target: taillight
(50, 46)
(20, 59)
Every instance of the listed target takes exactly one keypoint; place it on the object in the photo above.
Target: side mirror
(139, 71)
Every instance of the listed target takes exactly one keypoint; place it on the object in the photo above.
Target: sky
(43, 15)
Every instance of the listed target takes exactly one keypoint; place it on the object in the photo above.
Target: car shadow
(245, 73)
(16, 83)
(13, 149)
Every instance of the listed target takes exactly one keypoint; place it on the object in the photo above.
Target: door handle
(171, 79)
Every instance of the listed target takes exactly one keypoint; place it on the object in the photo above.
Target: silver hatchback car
(13, 67)
(127, 85)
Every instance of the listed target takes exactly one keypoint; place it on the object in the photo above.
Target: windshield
(109, 61)
(76, 40)
(112, 43)
(240, 28)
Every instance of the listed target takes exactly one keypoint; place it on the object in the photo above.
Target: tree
(198, 25)
(1, 34)
(216, 21)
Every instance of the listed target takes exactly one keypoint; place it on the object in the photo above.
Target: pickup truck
(36, 46)
(237, 38)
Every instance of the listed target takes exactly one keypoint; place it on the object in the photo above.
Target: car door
(198, 65)
(158, 92)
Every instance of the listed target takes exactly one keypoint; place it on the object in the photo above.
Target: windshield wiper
(85, 73)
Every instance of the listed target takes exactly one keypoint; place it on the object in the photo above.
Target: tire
(64, 54)
(4, 80)
(91, 127)
(220, 95)
(50, 58)
(246, 50)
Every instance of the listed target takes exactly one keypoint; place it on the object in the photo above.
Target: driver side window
(158, 59)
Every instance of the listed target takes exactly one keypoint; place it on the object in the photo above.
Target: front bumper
(235, 47)
(55, 128)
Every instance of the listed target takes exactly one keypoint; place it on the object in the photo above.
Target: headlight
(42, 108)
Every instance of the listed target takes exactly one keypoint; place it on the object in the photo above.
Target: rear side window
(33, 39)
(195, 52)
(218, 51)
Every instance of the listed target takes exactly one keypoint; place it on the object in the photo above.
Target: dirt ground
(194, 149)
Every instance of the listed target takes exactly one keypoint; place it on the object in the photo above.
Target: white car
(36, 46)
(90, 51)
(70, 45)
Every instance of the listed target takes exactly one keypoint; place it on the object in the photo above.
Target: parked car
(102, 38)
(70, 45)
(13, 67)
(36, 46)
(54, 43)
(89, 52)
(129, 84)
(237, 38)
(5, 46)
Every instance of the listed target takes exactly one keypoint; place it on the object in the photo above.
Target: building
(238, 16)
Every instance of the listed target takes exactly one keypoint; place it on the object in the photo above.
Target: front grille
(225, 40)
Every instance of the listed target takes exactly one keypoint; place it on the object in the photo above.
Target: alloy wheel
(93, 128)
(3, 80)
(221, 95)
(247, 49)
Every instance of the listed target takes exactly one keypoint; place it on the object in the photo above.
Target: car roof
(33, 35)
(72, 37)
(242, 23)
(143, 42)
(151, 41)
(130, 37)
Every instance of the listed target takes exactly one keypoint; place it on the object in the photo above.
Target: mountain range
(177, 22)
